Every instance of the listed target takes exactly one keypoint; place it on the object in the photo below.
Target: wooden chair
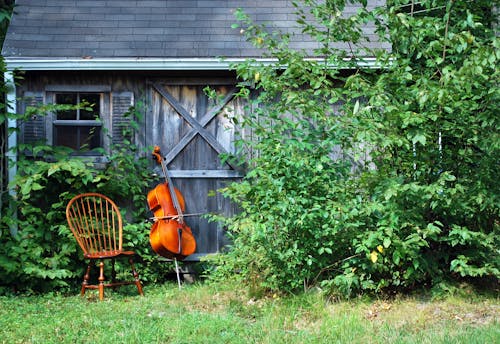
(96, 223)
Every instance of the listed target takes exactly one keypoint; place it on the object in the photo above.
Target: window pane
(66, 98)
(95, 100)
(70, 131)
(66, 136)
(89, 137)
(78, 138)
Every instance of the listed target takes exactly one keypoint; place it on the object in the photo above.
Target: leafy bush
(372, 180)
(43, 254)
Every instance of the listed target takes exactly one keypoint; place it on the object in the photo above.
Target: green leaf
(419, 138)
(36, 186)
(387, 242)
(356, 107)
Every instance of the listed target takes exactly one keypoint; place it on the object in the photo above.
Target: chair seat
(108, 254)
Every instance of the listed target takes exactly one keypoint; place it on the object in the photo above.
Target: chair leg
(101, 280)
(136, 277)
(86, 278)
(113, 272)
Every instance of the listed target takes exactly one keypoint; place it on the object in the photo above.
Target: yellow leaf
(374, 256)
(380, 248)
(257, 76)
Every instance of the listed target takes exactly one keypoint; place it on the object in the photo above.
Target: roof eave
(34, 64)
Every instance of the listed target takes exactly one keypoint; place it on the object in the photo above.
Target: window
(79, 129)
(83, 130)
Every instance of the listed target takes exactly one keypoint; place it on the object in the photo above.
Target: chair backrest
(96, 223)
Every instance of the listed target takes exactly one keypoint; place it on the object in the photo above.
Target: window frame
(104, 121)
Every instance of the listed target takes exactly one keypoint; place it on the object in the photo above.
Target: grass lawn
(201, 313)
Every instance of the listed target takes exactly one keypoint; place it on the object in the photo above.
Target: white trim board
(27, 64)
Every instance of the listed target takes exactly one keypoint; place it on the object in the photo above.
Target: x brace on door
(198, 127)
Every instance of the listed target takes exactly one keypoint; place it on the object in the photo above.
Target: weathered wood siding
(191, 130)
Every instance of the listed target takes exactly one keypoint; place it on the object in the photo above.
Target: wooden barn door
(192, 132)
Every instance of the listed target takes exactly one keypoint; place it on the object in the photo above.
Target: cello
(169, 237)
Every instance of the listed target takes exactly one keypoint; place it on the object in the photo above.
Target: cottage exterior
(156, 55)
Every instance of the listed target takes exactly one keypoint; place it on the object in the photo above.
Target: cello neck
(168, 180)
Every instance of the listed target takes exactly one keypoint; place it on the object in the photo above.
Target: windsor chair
(96, 224)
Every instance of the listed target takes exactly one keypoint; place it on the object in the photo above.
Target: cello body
(169, 237)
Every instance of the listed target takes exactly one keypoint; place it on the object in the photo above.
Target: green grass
(201, 313)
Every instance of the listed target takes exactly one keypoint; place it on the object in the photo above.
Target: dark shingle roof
(130, 28)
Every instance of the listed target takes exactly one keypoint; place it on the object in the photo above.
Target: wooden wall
(191, 130)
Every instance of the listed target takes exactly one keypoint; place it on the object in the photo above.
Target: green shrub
(43, 254)
(394, 186)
